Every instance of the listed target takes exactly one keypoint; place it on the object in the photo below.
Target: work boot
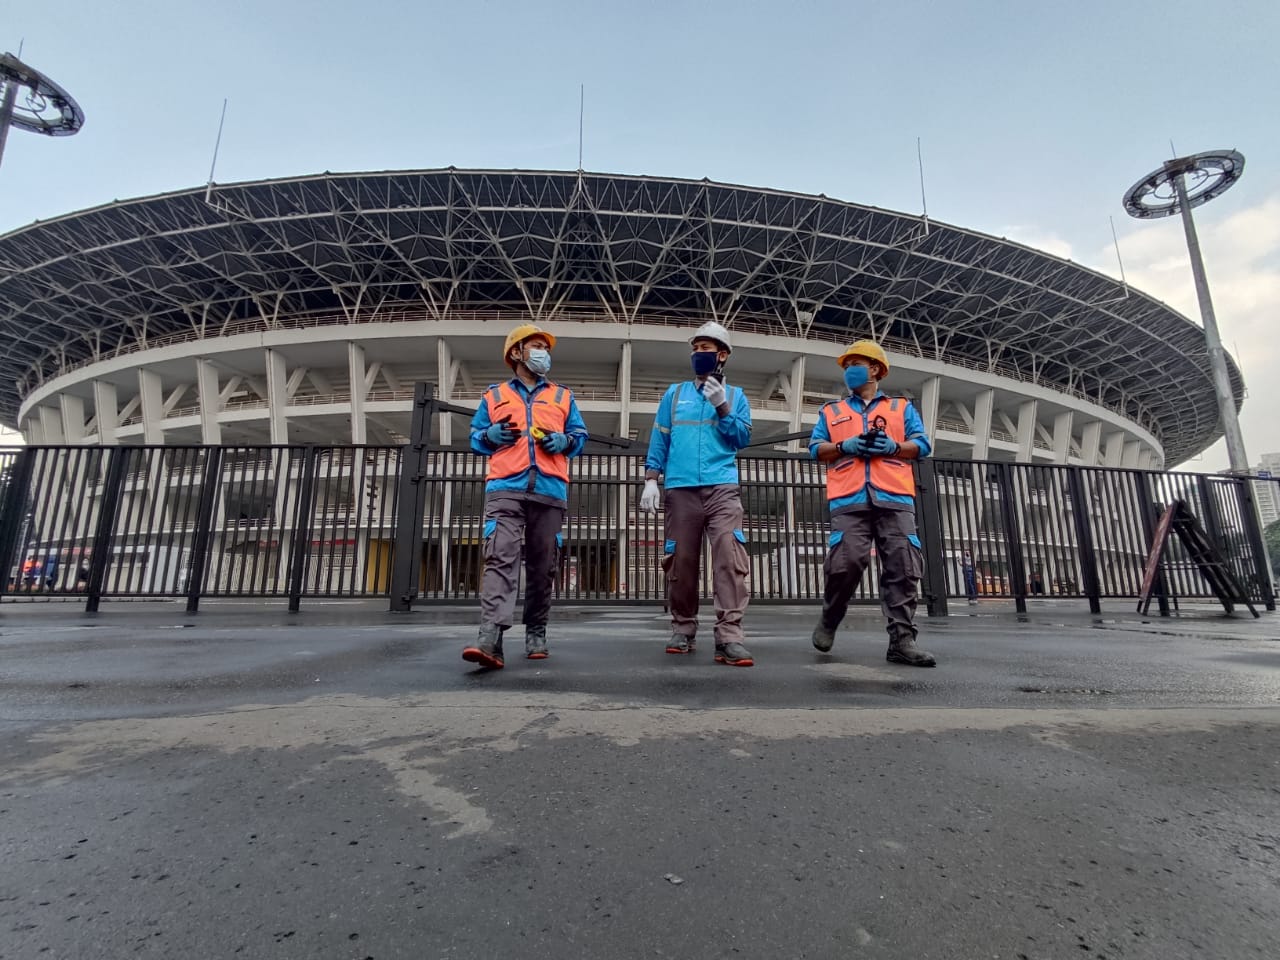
(679, 643)
(904, 650)
(535, 641)
(734, 654)
(487, 650)
(823, 637)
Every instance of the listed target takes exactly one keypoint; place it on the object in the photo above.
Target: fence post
(1147, 510)
(1257, 541)
(1012, 539)
(301, 545)
(1212, 522)
(108, 509)
(929, 511)
(209, 491)
(13, 511)
(412, 499)
(1084, 537)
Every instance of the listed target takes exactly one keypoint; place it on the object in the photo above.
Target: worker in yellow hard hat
(868, 440)
(529, 428)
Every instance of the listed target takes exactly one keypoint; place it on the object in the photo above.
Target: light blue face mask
(856, 377)
(538, 361)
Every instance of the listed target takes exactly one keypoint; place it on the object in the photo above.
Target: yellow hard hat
(868, 349)
(522, 333)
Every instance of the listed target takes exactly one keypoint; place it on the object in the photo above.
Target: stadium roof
(119, 277)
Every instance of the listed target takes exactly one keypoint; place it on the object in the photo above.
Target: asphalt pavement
(338, 783)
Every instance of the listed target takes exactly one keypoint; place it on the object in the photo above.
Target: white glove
(713, 391)
(649, 499)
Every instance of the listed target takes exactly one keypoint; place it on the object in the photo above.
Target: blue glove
(502, 433)
(883, 446)
(555, 443)
(854, 447)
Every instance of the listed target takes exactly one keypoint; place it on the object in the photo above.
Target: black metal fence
(406, 523)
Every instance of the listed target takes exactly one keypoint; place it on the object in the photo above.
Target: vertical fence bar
(14, 514)
(1256, 539)
(1084, 537)
(302, 525)
(929, 509)
(210, 487)
(412, 501)
(1147, 511)
(112, 488)
(1013, 541)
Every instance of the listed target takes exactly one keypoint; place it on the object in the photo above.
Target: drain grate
(1079, 691)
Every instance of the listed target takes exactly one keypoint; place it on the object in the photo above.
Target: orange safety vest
(849, 475)
(548, 409)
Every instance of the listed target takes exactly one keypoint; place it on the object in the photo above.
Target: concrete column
(930, 400)
(982, 409)
(72, 418)
(1062, 426)
(1090, 443)
(446, 377)
(356, 374)
(210, 402)
(624, 390)
(1113, 452)
(51, 426)
(151, 398)
(1129, 458)
(1026, 430)
(277, 396)
(33, 429)
(623, 540)
(797, 400)
(106, 410)
(1146, 460)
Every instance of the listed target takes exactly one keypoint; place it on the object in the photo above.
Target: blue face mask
(856, 377)
(538, 361)
(704, 361)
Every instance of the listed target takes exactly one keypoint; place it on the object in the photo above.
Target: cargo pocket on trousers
(917, 557)
(834, 562)
(668, 558)
(490, 528)
(741, 559)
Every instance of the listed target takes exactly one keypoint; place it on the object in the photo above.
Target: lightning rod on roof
(1116, 241)
(208, 190)
(924, 204)
(582, 100)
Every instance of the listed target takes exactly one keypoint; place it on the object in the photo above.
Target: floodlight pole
(1236, 455)
(47, 108)
(6, 113)
(1160, 194)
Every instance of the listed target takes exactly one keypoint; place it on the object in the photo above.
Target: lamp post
(1177, 187)
(46, 108)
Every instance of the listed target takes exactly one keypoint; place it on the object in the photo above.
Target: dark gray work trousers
(901, 566)
(715, 511)
(516, 520)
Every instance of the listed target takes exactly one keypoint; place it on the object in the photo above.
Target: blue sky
(1034, 116)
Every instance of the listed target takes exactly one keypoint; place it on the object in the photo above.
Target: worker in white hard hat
(530, 429)
(867, 441)
(700, 426)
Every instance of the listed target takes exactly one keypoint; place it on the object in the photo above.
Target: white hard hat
(713, 331)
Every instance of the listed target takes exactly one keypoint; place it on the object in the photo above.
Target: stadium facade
(303, 310)
(157, 346)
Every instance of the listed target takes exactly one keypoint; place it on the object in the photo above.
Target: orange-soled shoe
(734, 654)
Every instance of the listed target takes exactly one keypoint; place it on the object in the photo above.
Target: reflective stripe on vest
(849, 475)
(546, 409)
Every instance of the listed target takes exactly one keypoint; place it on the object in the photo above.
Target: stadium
(302, 311)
